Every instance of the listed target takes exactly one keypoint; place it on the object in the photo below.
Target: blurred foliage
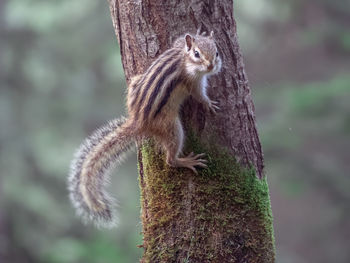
(61, 77)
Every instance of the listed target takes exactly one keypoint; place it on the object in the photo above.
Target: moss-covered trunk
(222, 214)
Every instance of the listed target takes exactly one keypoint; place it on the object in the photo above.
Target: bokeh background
(61, 77)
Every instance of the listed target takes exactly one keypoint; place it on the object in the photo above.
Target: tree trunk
(222, 214)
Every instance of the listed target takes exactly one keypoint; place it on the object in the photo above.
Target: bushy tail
(89, 171)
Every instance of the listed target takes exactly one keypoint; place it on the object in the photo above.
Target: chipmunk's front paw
(212, 106)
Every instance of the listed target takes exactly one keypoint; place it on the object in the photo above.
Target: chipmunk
(153, 102)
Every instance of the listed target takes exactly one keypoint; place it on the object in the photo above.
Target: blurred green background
(61, 77)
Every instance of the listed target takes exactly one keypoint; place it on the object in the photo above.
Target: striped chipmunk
(153, 101)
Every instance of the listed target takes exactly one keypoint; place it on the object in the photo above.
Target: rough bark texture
(223, 214)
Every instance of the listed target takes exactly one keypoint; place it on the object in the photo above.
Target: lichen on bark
(215, 211)
(222, 214)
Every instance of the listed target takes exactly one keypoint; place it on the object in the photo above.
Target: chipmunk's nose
(210, 67)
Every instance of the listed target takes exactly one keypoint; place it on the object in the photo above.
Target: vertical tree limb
(223, 214)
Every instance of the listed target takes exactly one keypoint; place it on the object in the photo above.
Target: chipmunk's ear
(211, 34)
(189, 41)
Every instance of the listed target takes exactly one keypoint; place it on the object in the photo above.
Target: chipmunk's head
(203, 56)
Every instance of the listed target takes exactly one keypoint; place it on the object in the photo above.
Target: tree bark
(222, 214)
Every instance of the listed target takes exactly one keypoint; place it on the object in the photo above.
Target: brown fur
(166, 126)
(154, 99)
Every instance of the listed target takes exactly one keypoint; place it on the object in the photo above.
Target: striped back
(153, 89)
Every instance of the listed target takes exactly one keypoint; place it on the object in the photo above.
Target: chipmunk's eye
(196, 54)
(217, 54)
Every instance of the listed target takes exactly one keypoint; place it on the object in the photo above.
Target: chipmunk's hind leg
(173, 145)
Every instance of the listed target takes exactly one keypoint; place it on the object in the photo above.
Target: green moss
(229, 205)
